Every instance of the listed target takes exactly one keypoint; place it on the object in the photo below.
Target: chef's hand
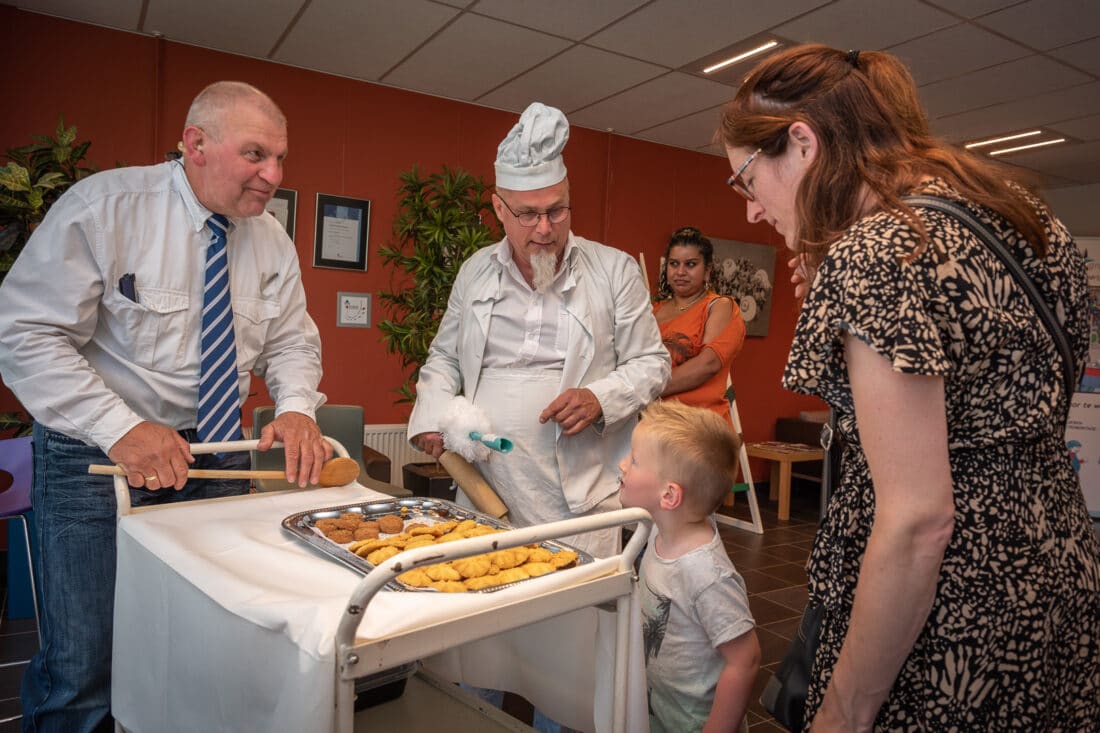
(153, 456)
(306, 450)
(430, 443)
(574, 409)
(801, 275)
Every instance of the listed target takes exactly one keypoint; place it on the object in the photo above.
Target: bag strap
(971, 222)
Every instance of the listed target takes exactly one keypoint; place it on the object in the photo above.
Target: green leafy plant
(31, 181)
(442, 219)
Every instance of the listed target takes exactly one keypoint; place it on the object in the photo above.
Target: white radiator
(390, 440)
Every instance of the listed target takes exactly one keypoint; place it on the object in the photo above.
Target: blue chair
(16, 476)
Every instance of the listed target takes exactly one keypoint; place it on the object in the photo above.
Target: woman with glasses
(956, 564)
(703, 331)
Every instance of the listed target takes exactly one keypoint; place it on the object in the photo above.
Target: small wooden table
(782, 456)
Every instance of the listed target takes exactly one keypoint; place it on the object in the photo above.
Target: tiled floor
(772, 565)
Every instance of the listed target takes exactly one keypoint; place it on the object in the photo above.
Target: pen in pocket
(127, 285)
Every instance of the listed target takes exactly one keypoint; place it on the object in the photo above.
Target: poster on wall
(341, 237)
(746, 272)
(284, 207)
(1083, 445)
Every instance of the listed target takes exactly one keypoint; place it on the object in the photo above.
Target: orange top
(683, 337)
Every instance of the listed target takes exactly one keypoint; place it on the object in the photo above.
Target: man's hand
(153, 456)
(574, 409)
(430, 443)
(306, 450)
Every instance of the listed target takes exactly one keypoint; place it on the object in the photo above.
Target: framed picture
(284, 207)
(342, 227)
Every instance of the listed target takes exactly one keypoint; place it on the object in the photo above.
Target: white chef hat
(529, 157)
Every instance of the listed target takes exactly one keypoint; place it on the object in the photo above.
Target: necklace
(692, 302)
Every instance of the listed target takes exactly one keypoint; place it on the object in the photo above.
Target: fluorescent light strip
(741, 57)
(1027, 147)
(1005, 139)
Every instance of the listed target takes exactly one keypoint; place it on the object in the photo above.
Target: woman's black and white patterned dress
(1013, 638)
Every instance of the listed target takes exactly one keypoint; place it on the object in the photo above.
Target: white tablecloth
(223, 621)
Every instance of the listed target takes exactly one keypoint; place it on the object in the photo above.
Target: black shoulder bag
(785, 694)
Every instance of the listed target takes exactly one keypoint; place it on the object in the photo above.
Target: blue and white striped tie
(219, 398)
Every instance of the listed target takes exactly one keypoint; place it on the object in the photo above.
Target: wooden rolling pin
(468, 478)
(334, 472)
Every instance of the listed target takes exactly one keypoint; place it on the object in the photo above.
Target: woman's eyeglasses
(737, 184)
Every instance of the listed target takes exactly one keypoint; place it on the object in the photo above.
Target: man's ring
(150, 478)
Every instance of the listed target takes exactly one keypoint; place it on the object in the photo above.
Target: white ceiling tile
(1022, 113)
(955, 51)
(239, 28)
(473, 55)
(1084, 55)
(866, 24)
(1045, 24)
(567, 82)
(1083, 128)
(676, 32)
(346, 38)
(123, 14)
(1024, 77)
(1074, 162)
(661, 100)
(972, 8)
(693, 131)
(574, 19)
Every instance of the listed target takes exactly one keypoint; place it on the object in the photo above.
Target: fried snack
(352, 516)
(466, 525)
(364, 532)
(539, 554)
(349, 524)
(421, 530)
(563, 559)
(521, 553)
(450, 586)
(321, 524)
(472, 567)
(485, 581)
(415, 542)
(535, 569)
(442, 571)
(504, 559)
(443, 528)
(382, 554)
(370, 523)
(479, 531)
(416, 577)
(450, 537)
(512, 575)
(415, 525)
(340, 536)
(391, 524)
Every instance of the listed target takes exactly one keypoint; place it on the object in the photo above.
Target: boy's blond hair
(695, 448)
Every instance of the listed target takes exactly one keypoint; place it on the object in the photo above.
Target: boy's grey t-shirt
(690, 605)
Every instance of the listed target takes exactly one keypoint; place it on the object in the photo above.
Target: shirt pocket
(153, 330)
(252, 318)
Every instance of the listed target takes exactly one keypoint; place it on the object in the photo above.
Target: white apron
(527, 479)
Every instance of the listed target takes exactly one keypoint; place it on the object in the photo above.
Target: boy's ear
(672, 495)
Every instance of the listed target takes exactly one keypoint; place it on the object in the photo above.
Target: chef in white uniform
(553, 336)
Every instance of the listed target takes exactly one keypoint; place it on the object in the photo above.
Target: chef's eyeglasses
(737, 184)
(556, 215)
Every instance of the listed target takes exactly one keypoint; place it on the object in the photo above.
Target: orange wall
(128, 94)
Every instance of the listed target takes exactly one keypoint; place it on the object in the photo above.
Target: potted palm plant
(442, 219)
(31, 181)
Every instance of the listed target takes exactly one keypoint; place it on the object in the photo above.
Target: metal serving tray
(415, 509)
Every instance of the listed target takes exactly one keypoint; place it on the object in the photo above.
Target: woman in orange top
(702, 331)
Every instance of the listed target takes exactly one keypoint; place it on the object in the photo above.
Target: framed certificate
(342, 227)
(284, 207)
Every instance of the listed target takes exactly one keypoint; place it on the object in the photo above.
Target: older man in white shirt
(100, 334)
(553, 336)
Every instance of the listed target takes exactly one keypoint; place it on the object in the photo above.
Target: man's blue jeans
(67, 685)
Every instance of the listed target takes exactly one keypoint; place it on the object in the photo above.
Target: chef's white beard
(544, 266)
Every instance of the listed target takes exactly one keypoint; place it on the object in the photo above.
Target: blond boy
(702, 653)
